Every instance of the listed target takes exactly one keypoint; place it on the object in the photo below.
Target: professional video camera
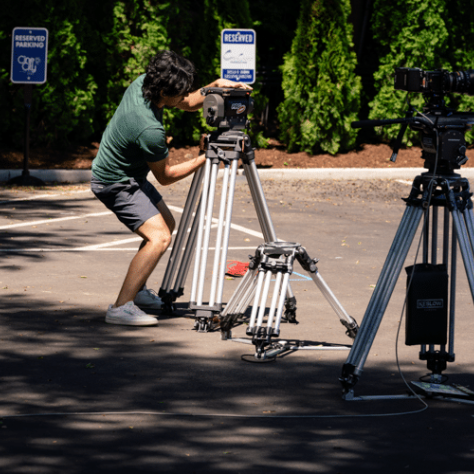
(441, 128)
(439, 82)
(227, 108)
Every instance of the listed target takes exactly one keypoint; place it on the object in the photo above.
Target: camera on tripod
(227, 107)
(442, 129)
(439, 82)
(430, 290)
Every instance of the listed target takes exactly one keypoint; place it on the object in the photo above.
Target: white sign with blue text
(238, 53)
(29, 55)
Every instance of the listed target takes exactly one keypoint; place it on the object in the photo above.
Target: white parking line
(49, 221)
(107, 245)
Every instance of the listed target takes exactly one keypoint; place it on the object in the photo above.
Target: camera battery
(427, 304)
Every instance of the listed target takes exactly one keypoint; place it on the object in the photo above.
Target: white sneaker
(129, 315)
(148, 299)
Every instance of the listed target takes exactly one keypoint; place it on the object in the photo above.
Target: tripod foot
(255, 359)
(348, 394)
(290, 316)
(203, 324)
(348, 380)
(290, 311)
(168, 308)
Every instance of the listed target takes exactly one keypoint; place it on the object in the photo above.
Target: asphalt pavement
(80, 396)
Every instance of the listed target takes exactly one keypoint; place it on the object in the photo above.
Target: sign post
(28, 67)
(238, 53)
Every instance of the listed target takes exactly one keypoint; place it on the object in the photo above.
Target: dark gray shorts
(133, 202)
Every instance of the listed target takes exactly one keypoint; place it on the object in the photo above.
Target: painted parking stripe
(58, 219)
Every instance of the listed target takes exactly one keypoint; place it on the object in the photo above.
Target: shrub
(322, 92)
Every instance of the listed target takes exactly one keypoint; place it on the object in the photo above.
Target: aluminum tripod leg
(381, 296)
(463, 225)
(214, 305)
(181, 251)
(263, 214)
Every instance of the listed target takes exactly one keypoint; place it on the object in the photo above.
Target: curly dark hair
(170, 74)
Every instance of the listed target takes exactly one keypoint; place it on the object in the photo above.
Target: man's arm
(194, 100)
(166, 174)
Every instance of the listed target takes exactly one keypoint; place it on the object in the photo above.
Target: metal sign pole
(28, 91)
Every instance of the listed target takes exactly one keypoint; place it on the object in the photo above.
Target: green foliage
(429, 35)
(63, 107)
(416, 36)
(322, 91)
(203, 46)
(138, 31)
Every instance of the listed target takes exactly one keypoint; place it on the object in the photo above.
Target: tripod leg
(225, 243)
(381, 296)
(469, 219)
(258, 197)
(273, 305)
(219, 248)
(263, 301)
(279, 313)
(187, 254)
(346, 320)
(202, 218)
(207, 232)
(465, 246)
(242, 296)
(182, 230)
(263, 214)
(258, 292)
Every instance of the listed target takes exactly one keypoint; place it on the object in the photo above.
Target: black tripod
(430, 192)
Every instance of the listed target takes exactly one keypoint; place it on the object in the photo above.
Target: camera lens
(460, 81)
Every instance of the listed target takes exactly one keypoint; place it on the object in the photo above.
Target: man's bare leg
(156, 233)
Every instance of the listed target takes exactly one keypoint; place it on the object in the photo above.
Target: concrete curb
(82, 176)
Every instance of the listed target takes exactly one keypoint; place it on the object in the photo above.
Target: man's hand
(226, 84)
(167, 174)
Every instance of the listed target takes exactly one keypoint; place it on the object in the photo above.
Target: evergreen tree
(428, 35)
(322, 92)
(415, 36)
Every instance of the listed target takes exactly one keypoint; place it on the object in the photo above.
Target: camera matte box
(427, 304)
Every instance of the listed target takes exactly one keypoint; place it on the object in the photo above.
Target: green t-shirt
(134, 136)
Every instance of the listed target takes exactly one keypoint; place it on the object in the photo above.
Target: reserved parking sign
(238, 52)
(29, 55)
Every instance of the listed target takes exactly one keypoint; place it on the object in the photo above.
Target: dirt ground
(368, 156)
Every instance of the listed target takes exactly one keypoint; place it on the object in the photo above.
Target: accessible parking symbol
(29, 55)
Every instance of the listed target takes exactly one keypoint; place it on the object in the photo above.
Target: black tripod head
(227, 108)
(442, 129)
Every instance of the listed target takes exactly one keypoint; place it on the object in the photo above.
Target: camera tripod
(228, 148)
(429, 193)
(275, 260)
